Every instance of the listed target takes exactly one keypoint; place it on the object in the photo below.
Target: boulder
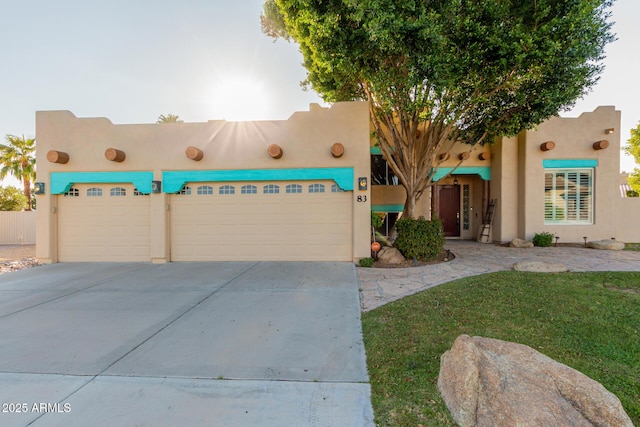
(607, 244)
(520, 243)
(388, 255)
(540, 267)
(488, 382)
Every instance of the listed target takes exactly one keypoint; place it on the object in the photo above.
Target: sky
(133, 60)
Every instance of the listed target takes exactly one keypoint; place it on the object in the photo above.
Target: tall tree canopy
(437, 72)
(17, 158)
(633, 149)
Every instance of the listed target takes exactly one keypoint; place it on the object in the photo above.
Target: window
(118, 192)
(94, 192)
(227, 189)
(381, 174)
(294, 188)
(186, 190)
(271, 189)
(249, 189)
(204, 190)
(316, 188)
(73, 192)
(568, 196)
(336, 189)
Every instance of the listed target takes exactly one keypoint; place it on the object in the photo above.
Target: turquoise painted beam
(61, 182)
(483, 171)
(173, 181)
(569, 163)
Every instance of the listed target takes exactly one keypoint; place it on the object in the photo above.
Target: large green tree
(18, 158)
(438, 72)
(633, 149)
(12, 199)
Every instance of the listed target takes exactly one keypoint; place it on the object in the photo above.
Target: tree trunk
(27, 191)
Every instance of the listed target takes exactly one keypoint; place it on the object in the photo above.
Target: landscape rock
(389, 255)
(540, 267)
(606, 244)
(489, 382)
(520, 243)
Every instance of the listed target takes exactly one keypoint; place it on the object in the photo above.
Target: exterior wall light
(38, 188)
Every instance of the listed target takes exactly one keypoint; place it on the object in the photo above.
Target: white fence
(17, 228)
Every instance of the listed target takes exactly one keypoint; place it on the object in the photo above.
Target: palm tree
(17, 158)
(169, 118)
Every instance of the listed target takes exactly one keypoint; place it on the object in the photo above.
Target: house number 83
(361, 199)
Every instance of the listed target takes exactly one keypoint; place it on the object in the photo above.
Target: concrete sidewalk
(194, 344)
(381, 286)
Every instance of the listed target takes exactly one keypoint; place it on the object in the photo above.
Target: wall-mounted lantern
(362, 183)
(547, 146)
(601, 145)
(609, 131)
(114, 155)
(38, 188)
(57, 157)
(156, 187)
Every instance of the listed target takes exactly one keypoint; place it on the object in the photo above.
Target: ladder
(484, 236)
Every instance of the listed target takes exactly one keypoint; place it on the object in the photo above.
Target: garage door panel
(297, 226)
(103, 228)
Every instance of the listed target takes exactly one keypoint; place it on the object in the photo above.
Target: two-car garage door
(261, 221)
(284, 221)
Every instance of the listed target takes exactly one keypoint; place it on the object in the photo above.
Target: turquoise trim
(483, 171)
(173, 181)
(376, 150)
(569, 163)
(61, 182)
(387, 208)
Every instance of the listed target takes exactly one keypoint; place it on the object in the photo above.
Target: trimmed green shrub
(365, 262)
(419, 238)
(543, 239)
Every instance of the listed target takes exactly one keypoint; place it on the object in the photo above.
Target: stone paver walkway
(379, 286)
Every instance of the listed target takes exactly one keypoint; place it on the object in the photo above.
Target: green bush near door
(419, 238)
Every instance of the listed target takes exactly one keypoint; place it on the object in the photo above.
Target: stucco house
(303, 188)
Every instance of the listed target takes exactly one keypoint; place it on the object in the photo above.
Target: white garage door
(103, 222)
(284, 221)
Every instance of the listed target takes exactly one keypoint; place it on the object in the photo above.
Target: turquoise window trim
(61, 182)
(569, 163)
(375, 150)
(483, 171)
(174, 180)
(387, 208)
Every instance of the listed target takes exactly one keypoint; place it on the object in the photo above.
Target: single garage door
(246, 221)
(103, 222)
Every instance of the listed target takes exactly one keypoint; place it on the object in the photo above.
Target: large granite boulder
(488, 382)
(391, 256)
(606, 244)
(520, 243)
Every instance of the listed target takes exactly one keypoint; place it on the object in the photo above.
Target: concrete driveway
(215, 344)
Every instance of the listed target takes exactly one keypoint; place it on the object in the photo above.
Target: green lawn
(589, 321)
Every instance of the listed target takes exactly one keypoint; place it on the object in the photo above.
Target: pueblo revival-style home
(304, 188)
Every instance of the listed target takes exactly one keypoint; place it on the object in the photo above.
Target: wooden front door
(449, 209)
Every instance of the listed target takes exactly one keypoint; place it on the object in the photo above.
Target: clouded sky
(132, 60)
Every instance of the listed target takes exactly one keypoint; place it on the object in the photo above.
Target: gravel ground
(17, 257)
